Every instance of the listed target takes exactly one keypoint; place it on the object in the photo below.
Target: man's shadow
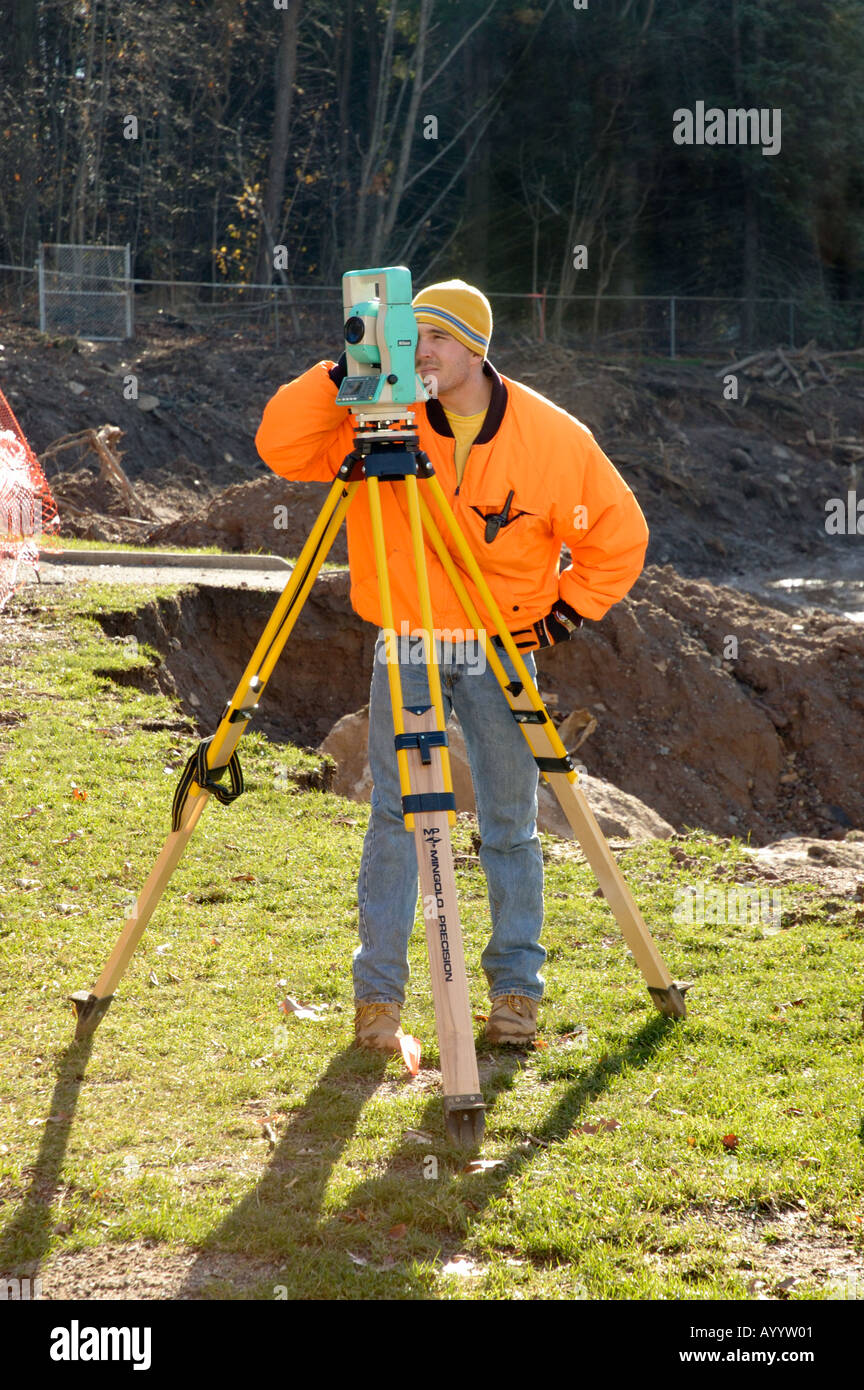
(328, 1257)
(26, 1236)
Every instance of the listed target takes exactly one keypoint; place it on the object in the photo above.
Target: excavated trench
(206, 636)
(713, 708)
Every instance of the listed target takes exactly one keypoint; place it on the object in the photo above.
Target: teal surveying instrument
(381, 389)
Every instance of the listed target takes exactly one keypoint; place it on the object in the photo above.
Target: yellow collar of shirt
(465, 430)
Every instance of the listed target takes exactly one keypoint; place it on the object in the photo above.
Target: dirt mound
(726, 486)
(712, 709)
(838, 868)
(268, 514)
(718, 711)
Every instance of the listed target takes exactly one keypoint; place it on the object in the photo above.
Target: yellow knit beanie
(458, 308)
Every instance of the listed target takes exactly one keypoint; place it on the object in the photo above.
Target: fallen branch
(788, 365)
(104, 444)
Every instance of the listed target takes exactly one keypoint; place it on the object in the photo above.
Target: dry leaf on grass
(398, 1231)
(589, 1128)
(410, 1052)
(291, 1006)
(463, 1267)
(388, 1264)
(243, 878)
(730, 1141)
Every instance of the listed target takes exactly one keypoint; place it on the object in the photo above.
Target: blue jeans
(505, 780)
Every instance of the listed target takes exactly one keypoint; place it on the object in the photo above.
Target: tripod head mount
(380, 345)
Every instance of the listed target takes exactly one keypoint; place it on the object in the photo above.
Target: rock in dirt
(618, 814)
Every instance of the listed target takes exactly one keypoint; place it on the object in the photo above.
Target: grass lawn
(77, 543)
(212, 1147)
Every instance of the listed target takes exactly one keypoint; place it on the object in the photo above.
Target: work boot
(376, 1026)
(512, 1019)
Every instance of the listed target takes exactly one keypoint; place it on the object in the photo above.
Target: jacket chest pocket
(505, 534)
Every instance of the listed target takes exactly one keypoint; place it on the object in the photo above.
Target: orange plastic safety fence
(28, 514)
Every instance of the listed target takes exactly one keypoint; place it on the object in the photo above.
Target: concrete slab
(162, 559)
(145, 576)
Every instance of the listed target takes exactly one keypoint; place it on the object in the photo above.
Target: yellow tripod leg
(545, 743)
(433, 673)
(191, 797)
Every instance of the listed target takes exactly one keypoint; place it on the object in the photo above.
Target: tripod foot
(465, 1120)
(90, 1010)
(670, 1001)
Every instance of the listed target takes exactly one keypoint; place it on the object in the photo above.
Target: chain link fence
(85, 291)
(679, 325)
(671, 326)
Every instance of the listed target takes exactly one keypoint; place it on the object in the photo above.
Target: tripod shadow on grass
(279, 1216)
(25, 1237)
(448, 1218)
(361, 1251)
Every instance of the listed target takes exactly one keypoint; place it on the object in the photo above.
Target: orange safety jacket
(564, 489)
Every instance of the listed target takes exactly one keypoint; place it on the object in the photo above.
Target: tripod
(386, 452)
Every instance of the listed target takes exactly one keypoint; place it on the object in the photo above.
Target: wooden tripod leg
(92, 1005)
(544, 742)
(463, 1100)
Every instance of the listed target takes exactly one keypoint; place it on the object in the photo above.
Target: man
(523, 477)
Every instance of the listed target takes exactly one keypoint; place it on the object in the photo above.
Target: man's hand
(338, 373)
(558, 625)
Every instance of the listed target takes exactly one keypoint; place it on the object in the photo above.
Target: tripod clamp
(377, 452)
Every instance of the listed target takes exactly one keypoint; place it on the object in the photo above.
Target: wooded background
(307, 124)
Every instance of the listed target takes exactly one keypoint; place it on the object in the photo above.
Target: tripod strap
(428, 801)
(196, 770)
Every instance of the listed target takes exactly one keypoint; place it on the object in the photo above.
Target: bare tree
(274, 192)
(384, 177)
